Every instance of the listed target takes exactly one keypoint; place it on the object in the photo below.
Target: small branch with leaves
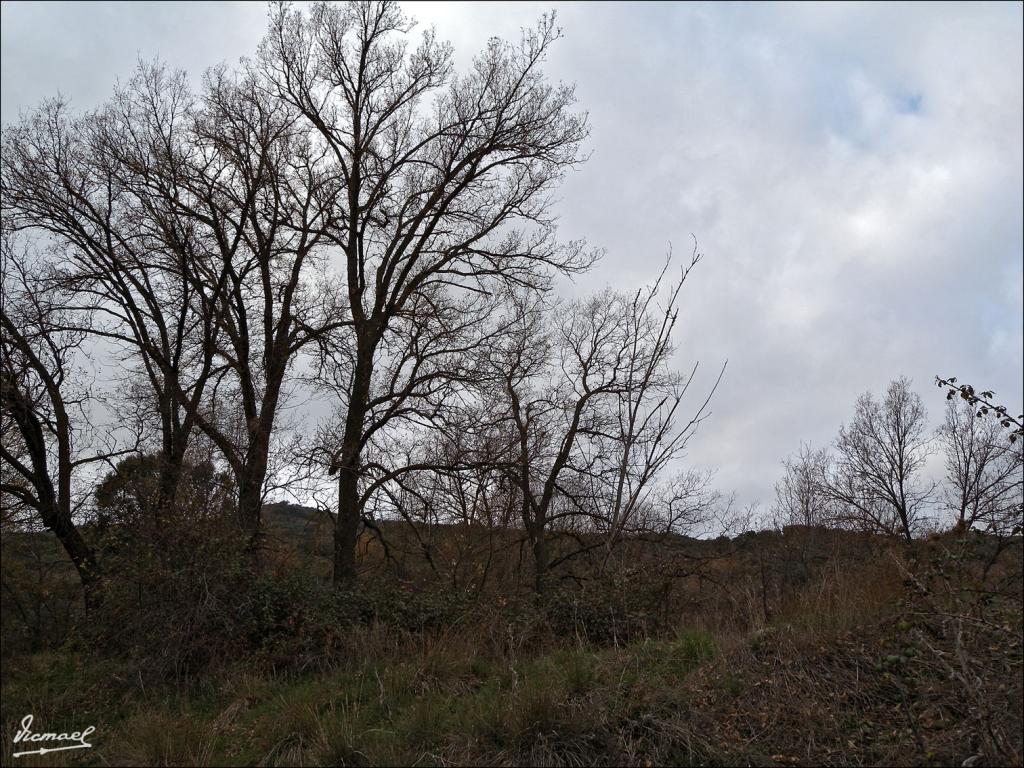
(983, 401)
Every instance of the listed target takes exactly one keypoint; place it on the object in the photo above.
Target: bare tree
(646, 436)
(191, 226)
(448, 482)
(803, 506)
(984, 471)
(45, 407)
(444, 184)
(592, 407)
(92, 184)
(801, 495)
(271, 219)
(876, 478)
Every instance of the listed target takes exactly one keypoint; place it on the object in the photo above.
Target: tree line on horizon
(346, 213)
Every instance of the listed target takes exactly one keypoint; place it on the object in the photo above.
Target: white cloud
(852, 171)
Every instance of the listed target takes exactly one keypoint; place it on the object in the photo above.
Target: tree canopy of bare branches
(343, 212)
(984, 471)
(44, 442)
(876, 477)
(591, 407)
(444, 193)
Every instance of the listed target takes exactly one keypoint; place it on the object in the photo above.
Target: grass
(851, 668)
(411, 706)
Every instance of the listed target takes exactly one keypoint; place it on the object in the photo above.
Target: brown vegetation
(509, 561)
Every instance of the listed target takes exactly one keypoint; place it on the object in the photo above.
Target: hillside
(801, 647)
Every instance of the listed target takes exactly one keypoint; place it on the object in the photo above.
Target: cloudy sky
(853, 174)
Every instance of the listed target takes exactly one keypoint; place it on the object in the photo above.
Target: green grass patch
(397, 709)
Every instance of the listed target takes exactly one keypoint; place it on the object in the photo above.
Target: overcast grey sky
(853, 174)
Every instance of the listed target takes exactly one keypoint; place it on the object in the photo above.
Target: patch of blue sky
(909, 103)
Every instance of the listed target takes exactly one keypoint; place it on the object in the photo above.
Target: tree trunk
(254, 470)
(250, 495)
(53, 504)
(541, 560)
(350, 513)
(169, 477)
(82, 556)
(169, 461)
(905, 524)
(346, 529)
(175, 439)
